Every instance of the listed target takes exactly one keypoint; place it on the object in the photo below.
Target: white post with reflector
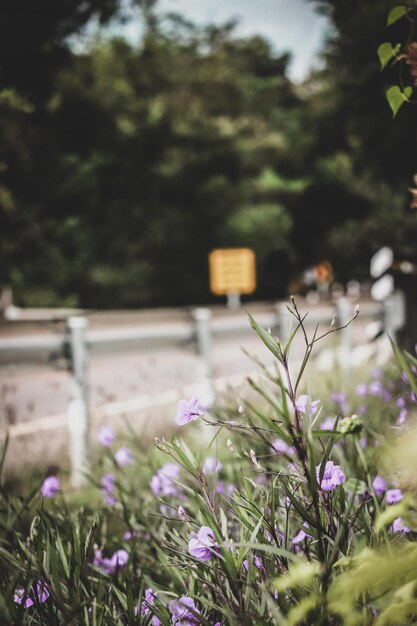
(202, 319)
(381, 261)
(78, 418)
(343, 314)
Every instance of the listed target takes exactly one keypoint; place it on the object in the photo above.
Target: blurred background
(136, 136)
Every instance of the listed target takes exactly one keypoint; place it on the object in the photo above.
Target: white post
(393, 308)
(78, 425)
(343, 312)
(202, 318)
(233, 300)
(285, 321)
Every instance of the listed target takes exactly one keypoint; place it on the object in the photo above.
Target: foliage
(147, 151)
(398, 94)
(116, 159)
(277, 518)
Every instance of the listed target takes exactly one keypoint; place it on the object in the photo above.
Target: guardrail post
(78, 425)
(284, 320)
(343, 313)
(233, 300)
(393, 312)
(202, 318)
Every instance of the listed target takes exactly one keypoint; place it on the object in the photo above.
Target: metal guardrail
(77, 341)
(45, 343)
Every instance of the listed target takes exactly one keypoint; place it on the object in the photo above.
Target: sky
(290, 25)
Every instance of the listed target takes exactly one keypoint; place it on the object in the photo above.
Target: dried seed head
(182, 514)
(255, 460)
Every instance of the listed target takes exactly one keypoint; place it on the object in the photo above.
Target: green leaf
(402, 359)
(272, 344)
(267, 549)
(355, 486)
(3, 453)
(397, 13)
(298, 614)
(396, 97)
(302, 511)
(302, 573)
(121, 597)
(386, 52)
(390, 514)
(293, 334)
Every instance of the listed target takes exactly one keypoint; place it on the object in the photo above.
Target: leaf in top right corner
(396, 97)
(397, 13)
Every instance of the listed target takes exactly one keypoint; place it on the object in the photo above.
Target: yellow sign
(232, 270)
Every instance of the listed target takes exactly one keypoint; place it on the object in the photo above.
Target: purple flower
(281, 447)
(288, 503)
(332, 477)
(402, 416)
(162, 483)
(379, 485)
(302, 402)
(377, 373)
(107, 482)
(362, 390)
(106, 436)
(393, 496)
(398, 526)
(184, 612)
(328, 423)
(300, 536)
(38, 594)
(119, 559)
(113, 564)
(376, 388)
(340, 398)
(211, 465)
(203, 544)
(149, 601)
(107, 485)
(128, 535)
(124, 457)
(228, 491)
(50, 487)
(257, 562)
(400, 402)
(188, 411)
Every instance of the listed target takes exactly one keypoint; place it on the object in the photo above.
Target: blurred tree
(121, 167)
(34, 39)
(144, 159)
(358, 160)
(357, 88)
(34, 46)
